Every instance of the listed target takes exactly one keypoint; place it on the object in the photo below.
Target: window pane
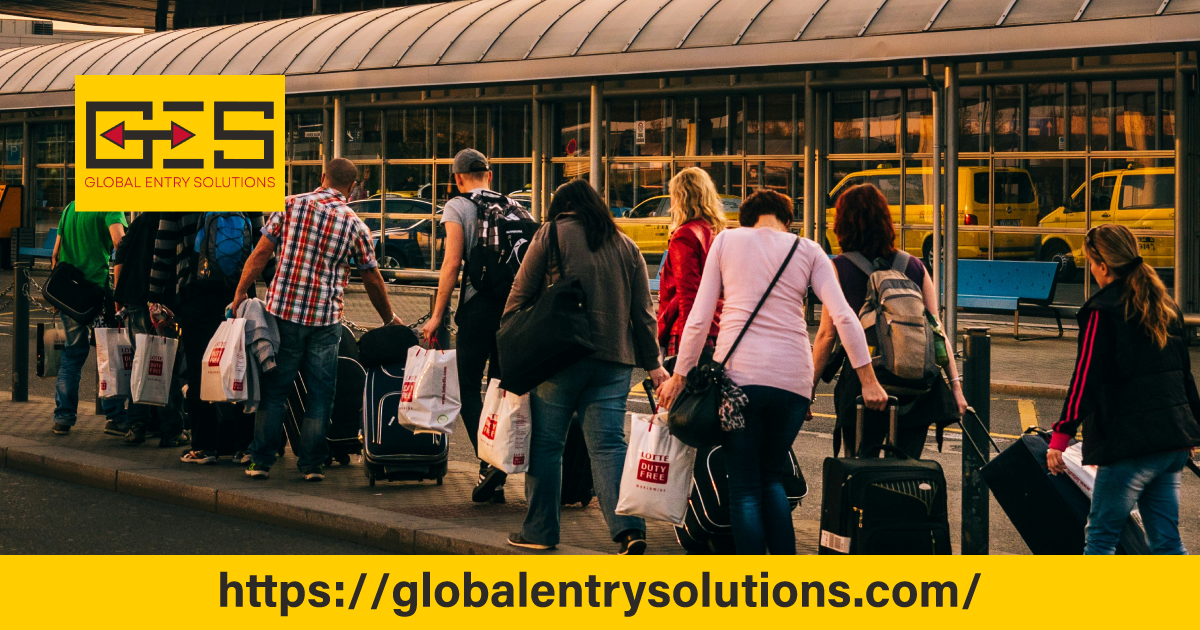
(631, 184)
(1141, 191)
(781, 118)
(304, 136)
(1007, 103)
(623, 118)
(570, 129)
(407, 179)
(52, 144)
(469, 129)
(866, 121)
(974, 119)
(364, 135)
(513, 130)
(304, 178)
(1046, 112)
(408, 134)
(13, 141)
(919, 130)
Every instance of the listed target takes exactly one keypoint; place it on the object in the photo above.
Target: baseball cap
(470, 161)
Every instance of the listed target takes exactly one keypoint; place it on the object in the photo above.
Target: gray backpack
(897, 326)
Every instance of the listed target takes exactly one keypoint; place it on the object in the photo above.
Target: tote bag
(153, 369)
(657, 478)
(505, 429)
(114, 361)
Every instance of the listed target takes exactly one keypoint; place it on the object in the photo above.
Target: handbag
(69, 290)
(695, 416)
(548, 334)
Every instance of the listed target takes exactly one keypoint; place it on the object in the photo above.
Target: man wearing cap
(478, 315)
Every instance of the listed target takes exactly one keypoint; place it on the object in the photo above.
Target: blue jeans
(596, 390)
(1150, 482)
(755, 460)
(310, 351)
(66, 388)
(171, 416)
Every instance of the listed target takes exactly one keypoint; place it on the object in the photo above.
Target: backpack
(223, 244)
(505, 230)
(898, 328)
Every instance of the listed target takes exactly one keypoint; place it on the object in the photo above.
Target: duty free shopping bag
(153, 367)
(429, 398)
(50, 343)
(657, 477)
(114, 361)
(224, 377)
(505, 429)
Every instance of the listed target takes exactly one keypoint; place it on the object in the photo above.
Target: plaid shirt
(316, 238)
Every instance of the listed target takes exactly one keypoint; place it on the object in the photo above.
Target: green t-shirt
(86, 243)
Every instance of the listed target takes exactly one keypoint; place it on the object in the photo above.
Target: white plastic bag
(657, 477)
(50, 344)
(114, 361)
(153, 369)
(1083, 476)
(429, 400)
(223, 375)
(504, 429)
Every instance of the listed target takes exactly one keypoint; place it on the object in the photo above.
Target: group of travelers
(1132, 391)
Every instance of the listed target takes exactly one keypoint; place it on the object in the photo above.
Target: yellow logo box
(179, 143)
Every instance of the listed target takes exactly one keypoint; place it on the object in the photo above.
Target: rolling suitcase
(883, 506)
(391, 452)
(577, 488)
(346, 415)
(1049, 511)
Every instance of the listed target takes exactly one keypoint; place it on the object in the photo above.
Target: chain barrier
(3, 294)
(416, 326)
(37, 302)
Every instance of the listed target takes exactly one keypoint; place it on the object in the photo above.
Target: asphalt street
(46, 516)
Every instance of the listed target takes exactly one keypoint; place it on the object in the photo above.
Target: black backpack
(505, 230)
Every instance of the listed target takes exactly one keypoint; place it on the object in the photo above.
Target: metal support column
(977, 369)
(939, 132)
(595, 149)
(950, 272)
(810, 162)
(28, 218)
(339, 126)
(547, 152)
(536, 183)
(1182, 240)
(20, 330)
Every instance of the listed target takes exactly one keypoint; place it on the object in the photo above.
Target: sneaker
(112, 428)
(517, 540)
(61, 429)
(135, 436)
(314, 474)
(242, 457)
(488, 483)
(175, 442)
(633, 543)
(199, 457)
(498, 496)
(256, 471)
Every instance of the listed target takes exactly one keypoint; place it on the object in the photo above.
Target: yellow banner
(179, 143)
(566, 593)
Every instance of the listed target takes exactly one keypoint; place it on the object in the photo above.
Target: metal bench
(1008, 286)
(47, 248)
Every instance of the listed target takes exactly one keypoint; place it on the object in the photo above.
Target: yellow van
(1138, 198)
(648, 222)
(1016, 205)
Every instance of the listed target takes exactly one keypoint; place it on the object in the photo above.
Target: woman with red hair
(863, 226)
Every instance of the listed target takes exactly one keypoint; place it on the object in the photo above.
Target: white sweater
(775, 351)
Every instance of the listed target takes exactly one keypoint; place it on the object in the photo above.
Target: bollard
(20, 354)
(977, 387)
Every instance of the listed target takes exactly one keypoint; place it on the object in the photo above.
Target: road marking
(1028, 413)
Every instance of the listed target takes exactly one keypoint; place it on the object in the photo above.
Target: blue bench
(47, 248)
(1008, 286)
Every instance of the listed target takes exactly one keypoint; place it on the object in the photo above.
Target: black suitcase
(577, 488)
(386, 345)
(346, 415)
(883, 506)
(391, 452)
(1049, 511)
(706, 525)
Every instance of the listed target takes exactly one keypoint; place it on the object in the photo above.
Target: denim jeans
(310, 351)
(66, 388)
(596, 390)
(755, 460)
(170, 416)
(1150, 482)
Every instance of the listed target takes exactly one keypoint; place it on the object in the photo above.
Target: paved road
(47, 516)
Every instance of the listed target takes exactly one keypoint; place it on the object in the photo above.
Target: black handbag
(71, 292)
(694, 417)
(547, 334)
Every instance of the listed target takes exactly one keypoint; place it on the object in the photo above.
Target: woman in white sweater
(773, 362)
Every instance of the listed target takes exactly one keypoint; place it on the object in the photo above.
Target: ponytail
(1146, 299)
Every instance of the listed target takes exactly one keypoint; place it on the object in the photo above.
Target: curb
(391, 531)
(1039, 390)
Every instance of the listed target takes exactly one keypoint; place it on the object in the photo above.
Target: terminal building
(1027, 120)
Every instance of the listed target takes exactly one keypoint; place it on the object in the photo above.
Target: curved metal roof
(475, 41)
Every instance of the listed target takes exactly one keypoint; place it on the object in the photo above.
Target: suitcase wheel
(439, 481)
(343, 459)
(370, 478)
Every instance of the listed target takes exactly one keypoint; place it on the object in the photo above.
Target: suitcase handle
(648, 385)
(893, 405)
(886, 448)
(974, 445)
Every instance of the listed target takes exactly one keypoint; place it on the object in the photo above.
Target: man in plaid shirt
(317, 237)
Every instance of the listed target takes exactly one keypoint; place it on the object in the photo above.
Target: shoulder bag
(549, 333)
(69, 290)
(711, 402)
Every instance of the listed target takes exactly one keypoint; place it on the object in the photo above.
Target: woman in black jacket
(1134, 393)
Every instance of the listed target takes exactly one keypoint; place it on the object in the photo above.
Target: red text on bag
(156, 366)
(518, 460)
(489, 427)
(406, 393)
(652, 471)
(237, 386)
(127, 357)
(214, 359)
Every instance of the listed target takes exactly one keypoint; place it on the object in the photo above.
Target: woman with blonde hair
(697, 216)
(1134, 394)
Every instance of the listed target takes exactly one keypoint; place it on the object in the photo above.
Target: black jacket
(1132, 397)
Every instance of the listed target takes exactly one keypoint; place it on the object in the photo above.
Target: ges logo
(179, 142)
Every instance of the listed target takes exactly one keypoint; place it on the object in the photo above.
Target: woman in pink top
(773, 363)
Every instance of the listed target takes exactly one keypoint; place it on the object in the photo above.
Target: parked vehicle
(649, 221)
(1138, 198)
(406, 243)
(1016, 206)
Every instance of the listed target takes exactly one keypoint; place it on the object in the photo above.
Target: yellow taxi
(649, 221)
(1138, 198)
(1016, 206)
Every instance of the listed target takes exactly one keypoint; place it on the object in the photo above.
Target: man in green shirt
(85, 241)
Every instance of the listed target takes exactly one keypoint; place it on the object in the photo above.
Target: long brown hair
(1145, 296)
(863, 222)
